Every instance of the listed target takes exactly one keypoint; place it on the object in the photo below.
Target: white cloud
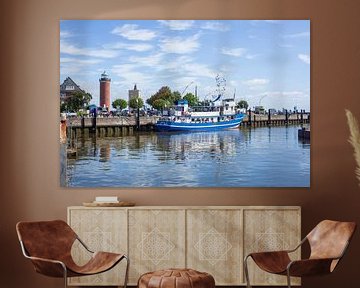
(256, 22)
(200, 70)
(66, 69)
(180, 45)
(305, 58)
(215, 26)
(280, 99)
(65, 34)
(79, 61)
(132, 32)
(139, 47)
(150, 60)
(177, 24)
(76, 69)
(298, 35)
(236, 52)
(251, 56)
(182, 67)
(273, 21)
(256, 81)
(129, 73)
(185, 84)
(67, 48)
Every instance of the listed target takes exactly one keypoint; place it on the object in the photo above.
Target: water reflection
(261, 157)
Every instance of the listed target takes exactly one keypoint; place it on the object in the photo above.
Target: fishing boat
(202, 118)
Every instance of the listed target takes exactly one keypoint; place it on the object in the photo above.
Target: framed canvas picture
(185, 103)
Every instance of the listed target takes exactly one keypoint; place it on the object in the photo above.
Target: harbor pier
(107, 126)
(122, 125)
(260, 120)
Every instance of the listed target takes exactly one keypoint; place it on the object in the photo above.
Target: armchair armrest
(83, 244)
(271, 261)
(279, 252)
(49, 267)
(309, 267)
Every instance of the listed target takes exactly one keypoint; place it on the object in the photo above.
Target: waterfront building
(67, 88)
(105, 90)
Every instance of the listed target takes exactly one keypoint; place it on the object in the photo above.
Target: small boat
(202, 118)
(304, 133)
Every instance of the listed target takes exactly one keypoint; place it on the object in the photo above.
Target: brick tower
(105, 90)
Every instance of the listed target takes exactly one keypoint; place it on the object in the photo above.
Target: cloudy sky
(266, 62)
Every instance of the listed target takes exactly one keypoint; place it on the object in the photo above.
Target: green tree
(76, 101)
(119, 103)
(62, 107)
(243, 104)
(165, 94)
(176, 96)
(135, 103)
(161, 104)
(192, 99)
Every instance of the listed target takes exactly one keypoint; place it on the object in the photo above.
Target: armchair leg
(65, 276)
(288, 278)
(246, 270)
(127, 271)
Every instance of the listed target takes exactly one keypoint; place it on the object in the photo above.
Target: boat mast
(220, 90)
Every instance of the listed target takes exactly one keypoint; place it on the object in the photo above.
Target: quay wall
(121, 125)
(79, 122)
(109, 121)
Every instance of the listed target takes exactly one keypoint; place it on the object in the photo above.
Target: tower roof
(105, 76)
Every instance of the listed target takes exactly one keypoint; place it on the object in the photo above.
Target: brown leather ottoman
(176, 278)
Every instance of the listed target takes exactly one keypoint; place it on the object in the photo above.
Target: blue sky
(265, 62)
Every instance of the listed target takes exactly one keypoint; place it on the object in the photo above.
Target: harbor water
(253, 157)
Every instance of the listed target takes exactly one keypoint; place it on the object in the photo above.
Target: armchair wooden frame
(322, 260)
(64, 266)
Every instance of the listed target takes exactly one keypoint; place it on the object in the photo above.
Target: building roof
(69, 86)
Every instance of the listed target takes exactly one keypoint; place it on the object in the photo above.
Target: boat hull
(210, 126)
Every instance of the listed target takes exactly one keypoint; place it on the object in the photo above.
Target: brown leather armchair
(48, 245)
(328, 242)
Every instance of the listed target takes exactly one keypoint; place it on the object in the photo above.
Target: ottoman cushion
(176, 278)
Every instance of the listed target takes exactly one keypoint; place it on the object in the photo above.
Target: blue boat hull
(163, 125)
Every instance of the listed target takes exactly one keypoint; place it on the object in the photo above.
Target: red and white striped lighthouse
(105, 90)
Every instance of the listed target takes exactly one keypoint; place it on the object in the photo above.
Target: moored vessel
(201, 118)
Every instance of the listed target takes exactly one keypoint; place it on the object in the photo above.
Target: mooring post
(269, 117)
(82, 121)
(286, 116)
(138, 118)
(94, 121)
(249, 118)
